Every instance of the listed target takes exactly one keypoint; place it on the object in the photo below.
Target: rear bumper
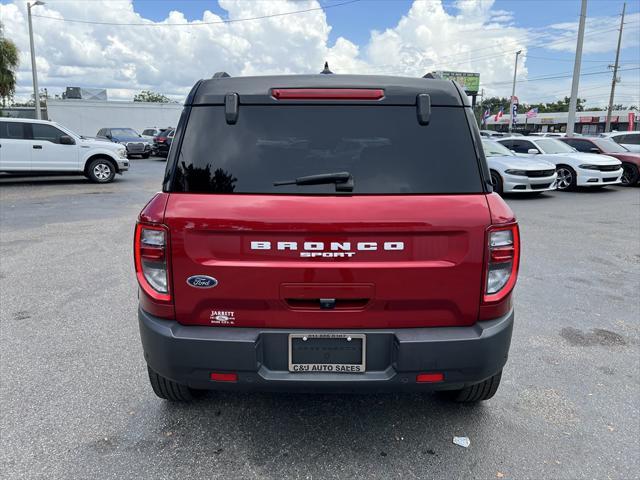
(188, 355)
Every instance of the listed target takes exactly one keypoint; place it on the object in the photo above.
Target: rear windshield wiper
(342, 180)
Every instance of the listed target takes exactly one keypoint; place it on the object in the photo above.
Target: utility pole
(513, 90)
(481, 107)
(573, 102)
(36, 95)
(614, 80)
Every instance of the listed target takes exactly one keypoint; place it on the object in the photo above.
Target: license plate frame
(336, 367)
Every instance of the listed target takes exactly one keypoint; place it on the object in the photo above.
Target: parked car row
(525, 164)
(629, 140)
(152, 141)
(537, 164)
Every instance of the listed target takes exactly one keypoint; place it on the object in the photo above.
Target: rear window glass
(123, 132)
(385, 150)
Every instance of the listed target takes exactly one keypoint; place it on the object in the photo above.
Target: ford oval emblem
(202, 281)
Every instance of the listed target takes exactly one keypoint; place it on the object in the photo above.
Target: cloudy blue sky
(167, 45)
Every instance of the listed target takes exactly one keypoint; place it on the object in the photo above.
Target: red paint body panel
(153, 212)
(435, 280)
(500, 211)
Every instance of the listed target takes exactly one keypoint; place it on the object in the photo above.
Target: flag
(485, 116)
(532, 113)
(514, 115)
(499, 114)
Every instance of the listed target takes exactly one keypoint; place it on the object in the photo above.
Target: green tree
(149, 96)
(559, 106)
(8, 65)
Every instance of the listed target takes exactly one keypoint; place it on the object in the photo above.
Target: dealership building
(587, 123)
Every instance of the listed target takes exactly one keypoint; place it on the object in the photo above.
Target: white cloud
(470, 36)
(600, 35)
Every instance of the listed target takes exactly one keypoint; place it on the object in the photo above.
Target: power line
(443, 63)
(566, 59)
(536, 79)
(197, 23)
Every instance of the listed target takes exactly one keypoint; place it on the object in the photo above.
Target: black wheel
(566, 178)
(496, 181)
(146, 155)
(170, 390)
(101, 170)
(630, 174)
(476, 393)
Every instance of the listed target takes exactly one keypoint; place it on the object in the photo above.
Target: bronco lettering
(326, 250)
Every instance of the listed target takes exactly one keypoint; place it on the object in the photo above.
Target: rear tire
(170, 390)
(476, 393)
(630, 174)
(567, 178)
(496, 181)
(101, 170)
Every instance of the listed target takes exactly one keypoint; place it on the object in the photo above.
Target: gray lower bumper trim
(188, 354)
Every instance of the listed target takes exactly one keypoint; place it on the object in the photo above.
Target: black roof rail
(221, 75)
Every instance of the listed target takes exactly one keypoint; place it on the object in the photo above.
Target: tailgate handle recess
(327, 303)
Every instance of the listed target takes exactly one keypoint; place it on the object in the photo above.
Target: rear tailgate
(328, 261)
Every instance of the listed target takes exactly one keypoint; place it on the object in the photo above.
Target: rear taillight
(150, 247)
(502, 260)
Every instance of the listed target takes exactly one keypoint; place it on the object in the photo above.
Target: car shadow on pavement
(44, 181)
(33, 180)
(527, 196)
(279, 430)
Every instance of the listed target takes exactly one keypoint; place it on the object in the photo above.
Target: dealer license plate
(327, 352)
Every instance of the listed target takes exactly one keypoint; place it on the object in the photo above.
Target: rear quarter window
(13, 130)
(384, 148)
(630, 139)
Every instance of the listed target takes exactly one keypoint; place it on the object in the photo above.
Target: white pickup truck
(41, 147)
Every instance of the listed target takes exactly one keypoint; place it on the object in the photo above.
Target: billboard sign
(470, 82)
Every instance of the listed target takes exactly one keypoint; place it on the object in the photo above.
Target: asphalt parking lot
(76, 403)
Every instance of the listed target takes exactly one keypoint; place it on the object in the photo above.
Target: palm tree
(8, 66)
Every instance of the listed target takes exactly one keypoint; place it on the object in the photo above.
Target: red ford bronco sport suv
(326, 232)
